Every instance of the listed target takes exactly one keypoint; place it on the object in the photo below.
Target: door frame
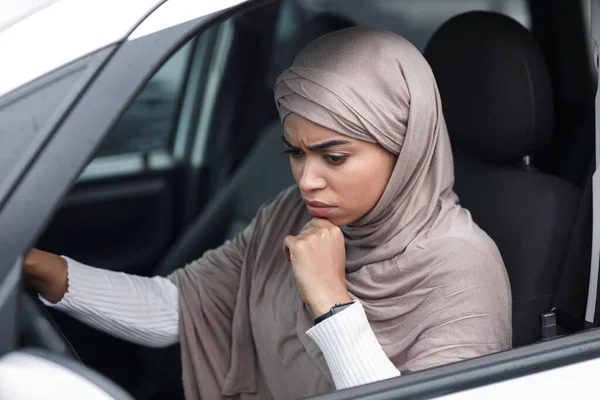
(32, 192)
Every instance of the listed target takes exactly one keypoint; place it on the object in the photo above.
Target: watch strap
(334, 310)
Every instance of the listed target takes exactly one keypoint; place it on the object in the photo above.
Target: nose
(310, 178)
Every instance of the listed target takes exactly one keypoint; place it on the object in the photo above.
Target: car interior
(199, 150)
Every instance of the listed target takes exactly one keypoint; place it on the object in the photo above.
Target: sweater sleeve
(138, 309)
(351, 350)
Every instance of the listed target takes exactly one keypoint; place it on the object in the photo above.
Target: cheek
(296, 169)
(362, 184)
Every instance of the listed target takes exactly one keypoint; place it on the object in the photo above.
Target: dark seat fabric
(530, 217)
(497, 101)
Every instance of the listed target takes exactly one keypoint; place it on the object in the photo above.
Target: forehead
(298, 127)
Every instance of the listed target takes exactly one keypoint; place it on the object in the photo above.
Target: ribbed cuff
(351, 349)
(81, 279)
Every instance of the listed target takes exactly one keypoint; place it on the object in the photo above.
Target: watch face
(338, 308)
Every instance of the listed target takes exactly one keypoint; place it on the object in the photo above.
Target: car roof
(38, 36)
(14, 11)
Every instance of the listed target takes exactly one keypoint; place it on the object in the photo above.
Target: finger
(306, 226)
(314, 226)
(319, 222)
(287, 242)
(322, 222)
(310, 227)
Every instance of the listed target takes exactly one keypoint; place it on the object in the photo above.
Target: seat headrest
(494, 85)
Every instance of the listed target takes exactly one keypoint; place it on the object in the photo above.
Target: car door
(125, 208)
(122, 196)
(150, 175)
(130, 191)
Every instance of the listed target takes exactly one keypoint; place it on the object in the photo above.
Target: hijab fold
(432, 283)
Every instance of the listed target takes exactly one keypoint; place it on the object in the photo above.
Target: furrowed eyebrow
(327, 144)
(320, 146)
(288, 144)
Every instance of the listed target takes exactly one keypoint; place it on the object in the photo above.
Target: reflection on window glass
(150, 120)
(416, 20)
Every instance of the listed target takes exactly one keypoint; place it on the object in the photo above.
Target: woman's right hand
(46, 273)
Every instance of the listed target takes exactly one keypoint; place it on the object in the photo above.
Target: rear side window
(150, 121)
(416, 20)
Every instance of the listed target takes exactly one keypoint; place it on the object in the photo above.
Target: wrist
(61, 284)
(324, 305)
(54, 281)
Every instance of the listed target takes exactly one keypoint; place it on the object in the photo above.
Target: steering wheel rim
(38, 328)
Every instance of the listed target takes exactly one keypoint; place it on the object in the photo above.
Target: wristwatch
(339, 307)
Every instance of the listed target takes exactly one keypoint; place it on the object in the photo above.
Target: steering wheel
(38, 329)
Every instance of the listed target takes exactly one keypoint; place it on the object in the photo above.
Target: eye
(295, 153)
(335, 160)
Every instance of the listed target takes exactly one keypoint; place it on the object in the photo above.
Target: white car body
(62, 31)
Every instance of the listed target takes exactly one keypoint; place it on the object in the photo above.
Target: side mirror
(35, 374)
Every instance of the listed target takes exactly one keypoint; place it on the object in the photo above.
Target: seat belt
(590, 312)
(571, 296)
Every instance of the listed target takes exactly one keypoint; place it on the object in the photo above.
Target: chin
(340, 221)
(336, 222)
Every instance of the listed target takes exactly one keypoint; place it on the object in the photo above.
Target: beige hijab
(433, 285)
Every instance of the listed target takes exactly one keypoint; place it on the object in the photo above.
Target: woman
(373, 227)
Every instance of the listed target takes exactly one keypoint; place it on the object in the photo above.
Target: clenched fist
(318, 257)
(46, 273)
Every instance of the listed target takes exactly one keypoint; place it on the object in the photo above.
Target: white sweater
(145, 311)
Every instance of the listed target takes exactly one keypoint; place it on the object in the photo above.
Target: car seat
(497, 102)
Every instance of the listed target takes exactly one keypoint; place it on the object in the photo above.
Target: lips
(318, 209)
(317, 204)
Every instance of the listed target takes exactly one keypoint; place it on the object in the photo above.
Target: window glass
(416, 20)
(150, 121)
